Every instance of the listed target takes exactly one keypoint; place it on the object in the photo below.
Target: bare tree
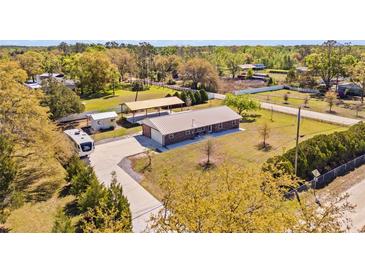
(265, 133)
(286, 98)
(209, 150)
(306, 101)
(358, 108)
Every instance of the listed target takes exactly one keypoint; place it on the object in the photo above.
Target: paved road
(312, 114)
(105, 159)
(357, 197)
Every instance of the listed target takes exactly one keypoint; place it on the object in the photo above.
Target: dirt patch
(343, 183)
(228, 85)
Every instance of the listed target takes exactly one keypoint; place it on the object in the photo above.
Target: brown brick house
(182, 126)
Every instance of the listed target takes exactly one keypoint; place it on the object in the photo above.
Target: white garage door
(156, 135)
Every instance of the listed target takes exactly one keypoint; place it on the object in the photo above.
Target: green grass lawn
(315, 103)
(241, 148)
(109, 101)
(38, 216)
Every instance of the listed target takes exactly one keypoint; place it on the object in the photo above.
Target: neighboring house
(182, 126)
(103, 120)
(302, 69)
(59, 77)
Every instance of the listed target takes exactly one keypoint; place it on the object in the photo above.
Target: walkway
(105, 159)
(330, 118)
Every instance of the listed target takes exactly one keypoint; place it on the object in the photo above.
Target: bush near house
(198, 97)
(322, 152)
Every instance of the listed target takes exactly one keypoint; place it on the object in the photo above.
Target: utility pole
(297, 142)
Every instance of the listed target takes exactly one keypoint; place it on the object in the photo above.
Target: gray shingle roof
(191, 119)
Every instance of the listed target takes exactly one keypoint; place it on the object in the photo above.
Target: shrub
(177, 94)
(139, 86)
(197, 97)
(92, 197)
(62, 223)
(171, 82)
(80, 176)
(323, 152)
(203, 95)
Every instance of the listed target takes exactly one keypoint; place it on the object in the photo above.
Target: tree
(94, 71)
(208, 150)
(331, 97)
(358, 76)
(203, 95)
(39, 149)
(51, 63)
(32, 63)
(124, 61)
(12, 71)
(201, 73)
(92, 197)
(286, 98)
(82, 176)
(326, 62)
(265, 133)
(249, 73)
(306, 101)
(111, 213)
(233, 60)
(233, 199)
(144, 53)
(291, 76)
(61, 100)
(62, 223)
(241, 103)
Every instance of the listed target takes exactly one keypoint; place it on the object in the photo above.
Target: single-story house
(103, 120)
(182, 126)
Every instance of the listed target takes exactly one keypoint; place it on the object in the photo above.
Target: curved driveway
(105, 159)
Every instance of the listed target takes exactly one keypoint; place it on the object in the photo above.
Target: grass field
(109, 101)
(315, 103)
(241, 148)
(38, 216)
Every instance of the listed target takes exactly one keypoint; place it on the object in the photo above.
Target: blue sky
(180, 42)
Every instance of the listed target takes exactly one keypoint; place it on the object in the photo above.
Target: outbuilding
(103, 120)
(177, 127)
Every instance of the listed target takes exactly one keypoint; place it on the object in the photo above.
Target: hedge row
(196, 98)
(322, 152)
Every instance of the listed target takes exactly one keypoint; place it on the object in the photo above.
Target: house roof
(191, 119)
(154, 103)
(103, 115)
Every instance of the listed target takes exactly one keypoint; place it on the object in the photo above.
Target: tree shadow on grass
(109, 96)
(4, 229)
(265, 148)
(124, 123)
(65, 191)
(42, 192)
(71, 209)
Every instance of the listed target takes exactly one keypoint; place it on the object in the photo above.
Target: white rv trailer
(83, 142)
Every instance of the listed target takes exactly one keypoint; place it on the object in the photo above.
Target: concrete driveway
(357, 197)
(105, 159)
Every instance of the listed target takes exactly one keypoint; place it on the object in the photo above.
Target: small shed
(103, 120)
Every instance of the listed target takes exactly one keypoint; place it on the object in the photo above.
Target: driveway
(105, 159)
(357, 197)
(330, 118)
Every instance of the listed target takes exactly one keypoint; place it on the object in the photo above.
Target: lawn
(241, 148)
(38, 216)
(315, 103)
(109, 101)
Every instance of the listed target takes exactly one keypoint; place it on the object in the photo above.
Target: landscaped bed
(241, 148)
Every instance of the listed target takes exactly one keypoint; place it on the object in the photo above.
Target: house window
(171, 136)
(234, 122)
(220, 126)
(187, 132)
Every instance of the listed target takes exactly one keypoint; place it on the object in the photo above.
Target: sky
(180, 42)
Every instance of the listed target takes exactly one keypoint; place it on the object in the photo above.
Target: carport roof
(153, 103)
(191, 119)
